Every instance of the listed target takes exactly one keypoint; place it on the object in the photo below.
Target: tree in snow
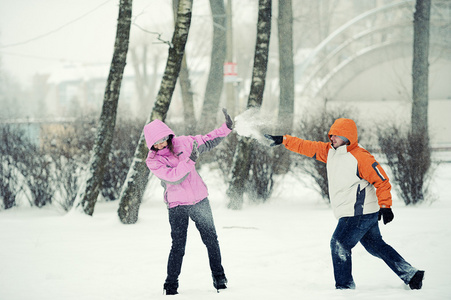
(286, 65)
(408, 151)
(286, 81)
(421, 156)
(87, 197)
(420, 68)
(137, 177)
(145, 80)
(245, 149)
(185, 86)
(215, 80)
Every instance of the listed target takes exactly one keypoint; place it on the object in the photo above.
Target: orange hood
(346, 128)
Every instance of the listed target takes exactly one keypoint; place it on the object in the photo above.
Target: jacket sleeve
(168, 174)
(212, 139)
(370, 170)
(317, 150)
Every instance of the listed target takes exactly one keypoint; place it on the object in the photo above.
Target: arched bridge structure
(375, 37)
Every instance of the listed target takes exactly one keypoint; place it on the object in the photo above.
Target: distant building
(76, 90)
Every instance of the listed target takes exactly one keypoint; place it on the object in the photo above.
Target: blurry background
(55, 57)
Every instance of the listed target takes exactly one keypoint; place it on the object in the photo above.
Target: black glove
(276, 139)
(228, 119)
(195, 152)
(386, 214)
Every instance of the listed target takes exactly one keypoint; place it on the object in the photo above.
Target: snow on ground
(279, 250)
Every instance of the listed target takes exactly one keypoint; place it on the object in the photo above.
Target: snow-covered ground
(279, 250)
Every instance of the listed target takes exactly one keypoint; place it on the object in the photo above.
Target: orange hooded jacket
(357, 183)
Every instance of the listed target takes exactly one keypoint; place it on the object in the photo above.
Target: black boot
(171, 287)
(220, 282)
(417, 281)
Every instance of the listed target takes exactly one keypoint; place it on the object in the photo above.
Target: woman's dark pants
(202, 216)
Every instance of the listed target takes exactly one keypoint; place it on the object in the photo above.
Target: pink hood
(156, 130)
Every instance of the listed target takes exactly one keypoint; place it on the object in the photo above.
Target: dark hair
(170, 145)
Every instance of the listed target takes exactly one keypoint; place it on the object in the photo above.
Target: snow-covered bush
(408, 155)
(25, 167)
(68, 145)
(67, 171)
(223, 155)
(126, 137)
(70, 148)
(260, 182)
(9, 183)
(35, 166)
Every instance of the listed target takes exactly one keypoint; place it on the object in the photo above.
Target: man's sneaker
(171, 288)
(417, 281)
(220, 282)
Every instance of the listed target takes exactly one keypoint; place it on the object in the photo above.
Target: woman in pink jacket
(172, 159)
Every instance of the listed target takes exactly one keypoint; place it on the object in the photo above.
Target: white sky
(37, 35)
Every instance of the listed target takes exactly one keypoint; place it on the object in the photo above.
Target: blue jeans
(363, 229)
(202, 216)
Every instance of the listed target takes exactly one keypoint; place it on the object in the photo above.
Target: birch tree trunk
(185, 86)
(187, 99)
(215, 81)
(87, 198)
(241, 161)
(137, 177)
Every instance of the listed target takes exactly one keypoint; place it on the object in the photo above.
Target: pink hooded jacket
(182, 184)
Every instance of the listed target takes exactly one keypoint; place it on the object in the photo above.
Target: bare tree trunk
(138, 174)
(145, 84)
(185, 86)
(105, 131)
(187, 98)
(419, 149)
(215, 81)
(286, 80)
(139, 75)
(241, 163)
(420, 67)
(286, 65)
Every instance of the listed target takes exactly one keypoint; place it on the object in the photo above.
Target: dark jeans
(202, 216)
(363, 229)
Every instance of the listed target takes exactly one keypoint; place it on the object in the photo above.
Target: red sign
(230, 71)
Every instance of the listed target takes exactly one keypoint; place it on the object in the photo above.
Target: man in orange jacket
(359, 192)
